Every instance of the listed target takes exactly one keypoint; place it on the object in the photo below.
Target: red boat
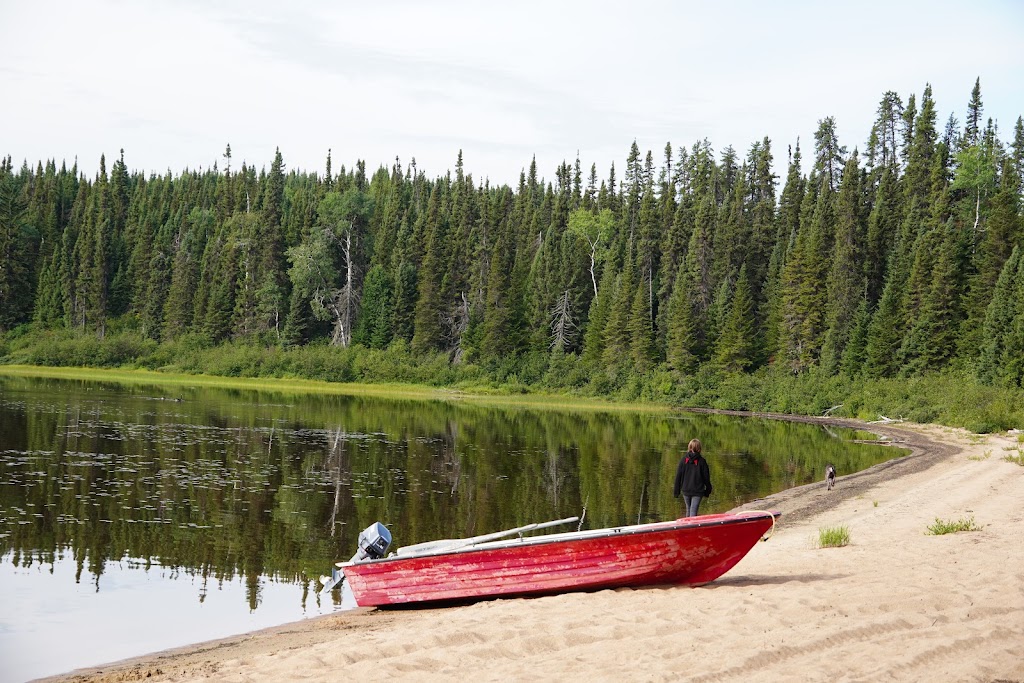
(692, 550)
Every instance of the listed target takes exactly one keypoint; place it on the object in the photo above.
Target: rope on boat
(760, 513)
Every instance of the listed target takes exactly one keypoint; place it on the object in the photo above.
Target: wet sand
(895, 604)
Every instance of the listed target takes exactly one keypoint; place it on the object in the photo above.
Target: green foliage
(833, 537)
(737, 344)
(942, 527)
(374, 327)
(16, 254)
(895, 264)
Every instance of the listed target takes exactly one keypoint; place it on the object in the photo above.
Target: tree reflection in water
(228, 483)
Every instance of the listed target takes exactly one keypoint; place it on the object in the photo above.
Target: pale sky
(174, 82)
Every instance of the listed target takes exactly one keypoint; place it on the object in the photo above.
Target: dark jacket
(693, 478)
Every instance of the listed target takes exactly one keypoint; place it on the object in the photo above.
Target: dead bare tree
(346, 299)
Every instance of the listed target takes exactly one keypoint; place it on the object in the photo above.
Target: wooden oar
(457, 543)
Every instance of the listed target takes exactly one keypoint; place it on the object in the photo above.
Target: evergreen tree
(49, 311)
(159, 280)
(1004, 227)
(761, 191)
(699, 263)
(497, 340)
(1018, 148)
(180, 305)
(972, 126)
(855, 352)
(430, 303)
(15, 255)
(1004, 311)
(594, 335)
(299, 321)
(681, 341)
(617, 341)
(804, 281)
(641, 330)
(885, 330)
(406, 288)
(374, 326)
(846, 283)
(883, 145)
(223, 269)
(931, 341)
(883, 225)
(736, 350)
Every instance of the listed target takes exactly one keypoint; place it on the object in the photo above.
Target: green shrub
(833, 537)
(941, 527)
(952, 397)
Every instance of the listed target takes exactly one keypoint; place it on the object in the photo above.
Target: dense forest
(899, 259)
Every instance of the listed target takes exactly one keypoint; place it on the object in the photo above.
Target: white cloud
(172, 83)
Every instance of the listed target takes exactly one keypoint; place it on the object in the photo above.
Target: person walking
(693, 478)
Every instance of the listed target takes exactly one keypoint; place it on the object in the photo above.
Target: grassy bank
(949, 398)
(166, 380)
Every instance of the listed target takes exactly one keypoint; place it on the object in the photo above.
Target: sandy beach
(895, 604)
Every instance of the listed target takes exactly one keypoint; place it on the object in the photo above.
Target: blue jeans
(691, 503)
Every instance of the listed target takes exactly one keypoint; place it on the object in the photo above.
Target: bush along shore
(950, 397)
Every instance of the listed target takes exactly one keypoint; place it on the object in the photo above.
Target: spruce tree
(594, 335)
(883, 226)
(885, 330)
(180, 305)
(427, 334)
(846, 281)
(803, 283)
(972, 126)
(1003, 230)
(374, 326)
(681, 340)
(617, 342)
(1001, 317)
(15, 283)
(736, 349)
(855, 351)
(699, 264)
(497, 340)
(642, 347)
(406, 288)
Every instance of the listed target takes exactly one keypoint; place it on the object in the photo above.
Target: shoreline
(895, 603)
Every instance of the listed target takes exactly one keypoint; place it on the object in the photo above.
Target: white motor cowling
(374, 541)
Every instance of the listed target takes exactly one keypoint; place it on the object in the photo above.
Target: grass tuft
(1017, 459)
(942, 527)
(833, 537)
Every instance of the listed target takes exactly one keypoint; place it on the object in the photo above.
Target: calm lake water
(134, 519)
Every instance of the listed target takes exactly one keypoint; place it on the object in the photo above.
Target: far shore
(284, 385)
(897, 603)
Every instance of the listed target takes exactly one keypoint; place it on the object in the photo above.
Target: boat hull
(686, 551)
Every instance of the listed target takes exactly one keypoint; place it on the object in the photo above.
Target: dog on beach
(830, 476)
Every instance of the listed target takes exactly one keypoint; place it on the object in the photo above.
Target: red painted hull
(686, 551)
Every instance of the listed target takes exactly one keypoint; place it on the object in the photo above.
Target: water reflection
(218, 487)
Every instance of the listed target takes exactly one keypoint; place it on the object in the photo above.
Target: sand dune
(896, 604)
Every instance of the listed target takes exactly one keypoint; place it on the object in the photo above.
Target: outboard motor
(373, 543)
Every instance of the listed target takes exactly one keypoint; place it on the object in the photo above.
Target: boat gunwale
(568, 536)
